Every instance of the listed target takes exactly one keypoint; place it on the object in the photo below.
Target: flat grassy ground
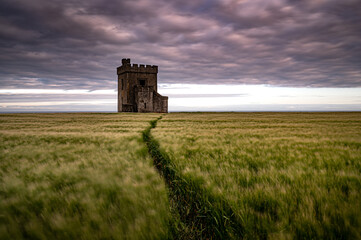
(79, 176)
(221, 175)
(284, 175)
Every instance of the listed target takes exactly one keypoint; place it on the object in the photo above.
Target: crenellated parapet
(135, 68)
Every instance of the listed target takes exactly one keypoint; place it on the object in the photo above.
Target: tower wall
(145, 99)
(137, 86)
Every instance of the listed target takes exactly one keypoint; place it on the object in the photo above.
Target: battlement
(135, 68)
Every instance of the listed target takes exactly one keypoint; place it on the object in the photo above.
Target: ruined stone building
(137, 89)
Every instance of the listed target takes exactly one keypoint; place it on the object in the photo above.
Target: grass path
(202, 215)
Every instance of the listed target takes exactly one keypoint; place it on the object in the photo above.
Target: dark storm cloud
(72, 44)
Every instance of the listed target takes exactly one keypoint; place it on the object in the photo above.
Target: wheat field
(79, 176)
(180, 176)
(284, 175)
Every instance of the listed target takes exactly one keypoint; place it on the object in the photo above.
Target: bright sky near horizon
(213, 55)
(190, 97)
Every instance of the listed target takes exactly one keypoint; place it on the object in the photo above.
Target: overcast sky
(275, 44)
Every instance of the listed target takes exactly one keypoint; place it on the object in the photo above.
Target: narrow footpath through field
(202, 215)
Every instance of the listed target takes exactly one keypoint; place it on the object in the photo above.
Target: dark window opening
(142, 82)
(145, 105)
(122, 84)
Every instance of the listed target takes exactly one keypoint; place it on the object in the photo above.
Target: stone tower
(137, 89)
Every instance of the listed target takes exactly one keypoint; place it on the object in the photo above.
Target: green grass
(220, 176)
(285, 175)
(79, 176)
(198, 214)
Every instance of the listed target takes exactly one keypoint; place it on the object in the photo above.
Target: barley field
(281, 175)
(180, 176)
(79, 176)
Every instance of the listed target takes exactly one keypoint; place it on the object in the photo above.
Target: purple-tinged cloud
(73, 44)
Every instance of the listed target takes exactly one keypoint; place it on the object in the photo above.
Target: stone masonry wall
(137, 89)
